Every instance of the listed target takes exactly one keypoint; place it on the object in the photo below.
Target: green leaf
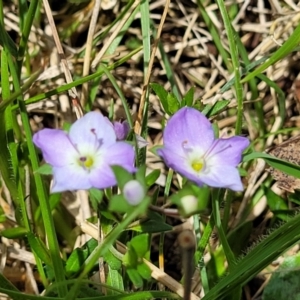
(242, 172)
(39, 248)
(130, 258)
(119, 204)
(45, 169)
(173, 104)
(138, 248)
(152, 177)
(140, 244)
(78, 257)
(162, 94)
(218, 107)
(122, 176)
(146, 34)
(206, 109)
(144, 271)
(277, 205)
(113, 262)
(135, 277)
(276, 163)
(188, 99)
(96, 197)
(14, 233)
(140, 176)
(114, 279)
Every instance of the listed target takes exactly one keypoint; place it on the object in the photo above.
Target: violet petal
(121, 154)
(188, 127)
(91, 131)
(228, 151)
(70, 178)
(56, 146)
(223, 177)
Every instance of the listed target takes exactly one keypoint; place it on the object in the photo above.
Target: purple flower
(191, 149)
(81, 159)
(121, 130)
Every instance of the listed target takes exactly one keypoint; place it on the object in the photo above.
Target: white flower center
(195, 157)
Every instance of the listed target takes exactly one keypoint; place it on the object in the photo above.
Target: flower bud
(121, 130)
(188, 205)
(133, 192)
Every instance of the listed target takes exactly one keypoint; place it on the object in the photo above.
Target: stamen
(185, 147)
(86, 162)
(98, 142)
(215, 143)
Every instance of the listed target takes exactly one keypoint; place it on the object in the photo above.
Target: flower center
(197, 165)
(86, 162)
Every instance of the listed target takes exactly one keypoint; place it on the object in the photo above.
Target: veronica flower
(191, 149)
(81, 159)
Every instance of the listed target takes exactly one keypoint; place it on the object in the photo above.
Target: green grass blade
(42, 196)
(259, 258)
(282, 52)
(236, 65)
(80, 81)
(215, 36)
(26, 31)
(121, 95)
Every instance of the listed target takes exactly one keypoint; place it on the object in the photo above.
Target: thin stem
(217, 216)
(102, 248)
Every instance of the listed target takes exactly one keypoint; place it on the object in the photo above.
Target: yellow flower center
(197, 165)
(86, 161)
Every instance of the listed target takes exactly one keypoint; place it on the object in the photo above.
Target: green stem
(102, 248)
(217, 217)
(227, 210)
(166, 194)
(202, 244)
